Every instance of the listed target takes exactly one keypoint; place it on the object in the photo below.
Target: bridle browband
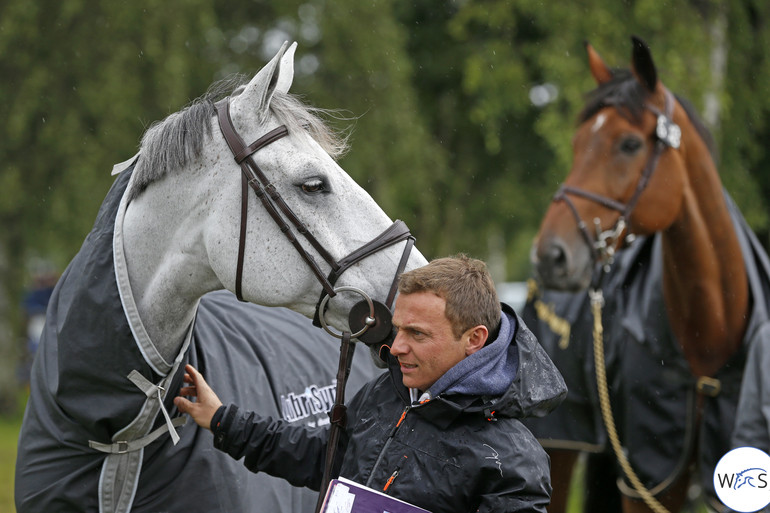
(604, 243)
(253, 177)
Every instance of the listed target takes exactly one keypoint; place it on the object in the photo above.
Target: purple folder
(345, 496)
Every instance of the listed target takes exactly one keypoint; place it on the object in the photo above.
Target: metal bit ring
(370, 321)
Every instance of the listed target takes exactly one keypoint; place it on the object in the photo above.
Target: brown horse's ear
(599, 70)
(642, 65)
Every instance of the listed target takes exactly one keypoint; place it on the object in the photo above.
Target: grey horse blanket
(652, 390)
(271, 360)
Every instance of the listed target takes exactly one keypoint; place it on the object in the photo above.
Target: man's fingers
(183, 404)
(193, 391)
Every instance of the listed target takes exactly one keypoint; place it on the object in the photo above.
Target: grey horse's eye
(314, 186)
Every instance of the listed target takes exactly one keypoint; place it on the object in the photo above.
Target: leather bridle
(604, 243)
(253, 177)
(371, 320)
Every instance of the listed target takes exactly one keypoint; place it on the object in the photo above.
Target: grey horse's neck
(167, 267)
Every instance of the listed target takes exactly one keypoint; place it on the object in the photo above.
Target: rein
(371, 319)
(604, 246)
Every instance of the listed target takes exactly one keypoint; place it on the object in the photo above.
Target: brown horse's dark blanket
(652, 390)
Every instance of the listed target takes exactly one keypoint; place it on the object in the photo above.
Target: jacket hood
(535, 390)
(487, 372)
(538, 386)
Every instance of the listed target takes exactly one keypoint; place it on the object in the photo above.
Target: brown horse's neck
(704, 276)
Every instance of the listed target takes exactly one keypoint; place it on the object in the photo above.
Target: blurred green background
(462, 111)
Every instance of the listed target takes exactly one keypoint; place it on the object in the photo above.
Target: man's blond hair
(466, 286)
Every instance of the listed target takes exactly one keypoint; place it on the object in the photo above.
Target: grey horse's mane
(179, 139)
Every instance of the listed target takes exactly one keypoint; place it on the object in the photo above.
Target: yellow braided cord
(604, 402)
(545, 312)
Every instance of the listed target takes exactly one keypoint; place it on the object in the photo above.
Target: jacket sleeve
(519, 482)
(517, 502)
(274, 446)
(752, 426)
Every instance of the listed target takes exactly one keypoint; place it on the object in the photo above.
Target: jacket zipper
(385, 448)
(390, 479)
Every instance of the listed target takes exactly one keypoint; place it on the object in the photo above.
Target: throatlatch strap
(242, 238)
(401, 266)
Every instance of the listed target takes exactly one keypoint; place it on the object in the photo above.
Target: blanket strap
(152, 391)
(122, 447)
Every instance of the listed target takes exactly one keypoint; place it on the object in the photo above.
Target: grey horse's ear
(286, 74)
(259, 91)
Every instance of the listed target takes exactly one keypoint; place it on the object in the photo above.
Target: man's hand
(207, 403)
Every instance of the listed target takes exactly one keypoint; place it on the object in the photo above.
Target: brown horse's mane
(627, 94)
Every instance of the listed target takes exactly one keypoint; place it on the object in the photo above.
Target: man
(441, 429)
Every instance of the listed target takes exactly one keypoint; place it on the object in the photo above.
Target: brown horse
(641, 165)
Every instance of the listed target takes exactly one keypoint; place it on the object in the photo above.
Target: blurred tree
(533, 48)
(363, 70)
(744, 119)
(475, 98)
(462, 112)
(81, 80)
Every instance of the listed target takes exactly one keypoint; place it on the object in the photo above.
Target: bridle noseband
(604, 243)
(253, 177)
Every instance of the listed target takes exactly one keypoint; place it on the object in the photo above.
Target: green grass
(575, 497)
(9, 435)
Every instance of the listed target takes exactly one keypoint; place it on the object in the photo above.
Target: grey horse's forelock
(179, 139)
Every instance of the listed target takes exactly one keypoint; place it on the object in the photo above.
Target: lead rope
(337, 415)
(597, 302)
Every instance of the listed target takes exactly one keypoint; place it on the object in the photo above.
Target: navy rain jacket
(454, 453)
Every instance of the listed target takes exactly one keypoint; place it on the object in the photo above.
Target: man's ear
(477, 337)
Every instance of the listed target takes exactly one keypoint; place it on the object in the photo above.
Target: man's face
(425, 346)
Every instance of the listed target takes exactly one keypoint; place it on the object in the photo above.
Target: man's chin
(411, 383)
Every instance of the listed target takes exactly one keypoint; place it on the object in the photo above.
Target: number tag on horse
(668, 132)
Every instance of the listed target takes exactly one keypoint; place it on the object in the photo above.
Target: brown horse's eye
(630, 145)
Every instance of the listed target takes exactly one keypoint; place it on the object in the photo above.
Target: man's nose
(398, 346)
